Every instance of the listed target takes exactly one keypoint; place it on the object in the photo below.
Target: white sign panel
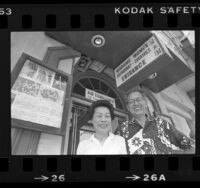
(94, 96)
(143, 56)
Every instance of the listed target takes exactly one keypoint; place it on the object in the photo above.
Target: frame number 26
(60, 178)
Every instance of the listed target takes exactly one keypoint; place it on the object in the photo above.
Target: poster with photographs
(45, 76)
(50, 95)
(60, 82)
(24, 85)
(29, 69)
(38, 95)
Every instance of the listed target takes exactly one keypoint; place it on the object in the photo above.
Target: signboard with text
(94, 96)
(141, 64)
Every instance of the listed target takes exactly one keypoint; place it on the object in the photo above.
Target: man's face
(136, 104)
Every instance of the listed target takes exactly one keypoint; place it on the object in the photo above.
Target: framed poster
(38, 96)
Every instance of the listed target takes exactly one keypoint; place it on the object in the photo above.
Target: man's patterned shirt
(157, 137)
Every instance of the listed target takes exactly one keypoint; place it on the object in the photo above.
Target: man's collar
(148, 118)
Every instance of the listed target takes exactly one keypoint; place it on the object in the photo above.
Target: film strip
(68, 167)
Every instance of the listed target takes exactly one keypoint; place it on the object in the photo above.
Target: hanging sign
(141, 63)
(142, 57)
(94, 96)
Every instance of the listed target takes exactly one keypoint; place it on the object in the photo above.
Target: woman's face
(102, 120)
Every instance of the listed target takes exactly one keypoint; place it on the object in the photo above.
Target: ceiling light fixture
(154, 75)
(98, 40)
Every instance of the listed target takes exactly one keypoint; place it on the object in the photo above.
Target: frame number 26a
(147, 177)
(154, 177)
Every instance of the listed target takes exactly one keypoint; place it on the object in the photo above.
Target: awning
(118, 44)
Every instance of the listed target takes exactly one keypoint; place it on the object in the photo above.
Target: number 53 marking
(5, 11)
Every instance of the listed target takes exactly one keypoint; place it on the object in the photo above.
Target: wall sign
(83, 63)
(142, 57)
(97, 66)
(94, 96)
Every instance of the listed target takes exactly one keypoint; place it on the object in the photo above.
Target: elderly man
(145, 135)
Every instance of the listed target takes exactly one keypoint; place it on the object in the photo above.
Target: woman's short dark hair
(101, 103)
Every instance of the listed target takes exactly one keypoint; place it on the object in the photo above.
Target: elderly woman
(103, 141)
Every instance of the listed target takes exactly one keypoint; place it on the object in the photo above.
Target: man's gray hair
(135, 89)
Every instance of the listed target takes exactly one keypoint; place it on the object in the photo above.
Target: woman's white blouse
(113, 145)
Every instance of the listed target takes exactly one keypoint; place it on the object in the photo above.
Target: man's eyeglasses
(138, 100)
